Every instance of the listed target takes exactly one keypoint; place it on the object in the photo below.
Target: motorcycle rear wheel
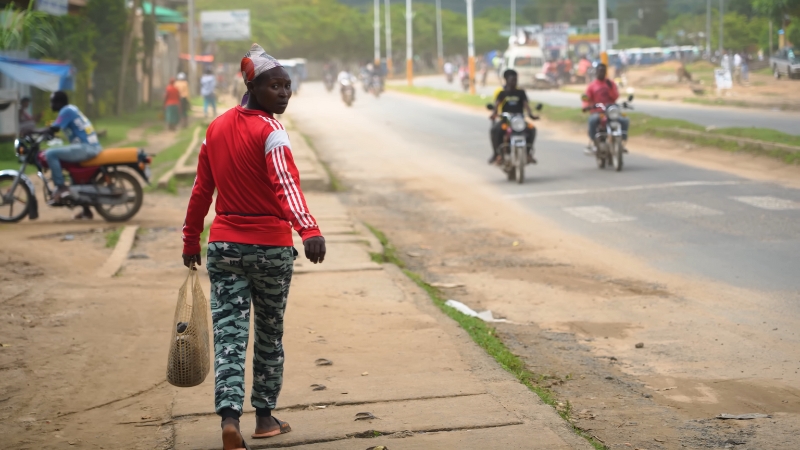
(133, 191)
(21, 199)
(520, 164)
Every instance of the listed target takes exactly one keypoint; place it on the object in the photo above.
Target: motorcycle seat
(124, 155)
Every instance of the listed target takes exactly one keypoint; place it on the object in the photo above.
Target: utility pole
(439, 38)
(513, 17)
(377, 26)
(770, 39)
(192, 64)
(409, 44)
(708, 29)
(471, 47)
(389, 65)
(603, 20)
(721, 26)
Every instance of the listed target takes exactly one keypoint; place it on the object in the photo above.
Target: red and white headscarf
(256, 62)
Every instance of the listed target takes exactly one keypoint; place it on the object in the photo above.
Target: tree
(109, 19)
(126, 56)
(25, 29)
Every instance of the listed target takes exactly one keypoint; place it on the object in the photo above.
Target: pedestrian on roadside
(172, 105)
(27, 121)
(183, 88)
(208, 86)
(737, 68)
(246, 157)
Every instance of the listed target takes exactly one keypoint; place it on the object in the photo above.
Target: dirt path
(578, 307)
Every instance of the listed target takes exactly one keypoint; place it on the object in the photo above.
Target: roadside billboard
(556, 39)
(232, 25)
(53, 7)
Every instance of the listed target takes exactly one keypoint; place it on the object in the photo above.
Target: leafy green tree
(75, 40)
(739, 32)
(109, 20)
(25, 29)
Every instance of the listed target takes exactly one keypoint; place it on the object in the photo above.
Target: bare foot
(266, 425)
(231, 437)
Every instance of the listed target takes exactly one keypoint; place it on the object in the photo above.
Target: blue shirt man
(83, 142)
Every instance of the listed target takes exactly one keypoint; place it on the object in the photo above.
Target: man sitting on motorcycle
(514, 101)
(83, 142)
(602, 90)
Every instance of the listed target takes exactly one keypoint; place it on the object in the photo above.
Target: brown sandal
(283, 428)
(228, 434)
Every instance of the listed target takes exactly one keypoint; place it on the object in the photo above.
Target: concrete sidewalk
(394, 355)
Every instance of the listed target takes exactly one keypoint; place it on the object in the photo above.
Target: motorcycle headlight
(613, 113)
(518, 123)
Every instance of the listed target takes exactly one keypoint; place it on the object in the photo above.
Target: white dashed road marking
(770, 203)
(598, 214)
(685, 209)
(638, 187)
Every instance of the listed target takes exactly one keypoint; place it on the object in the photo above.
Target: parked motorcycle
(449, 77)
(99, 182)
(348, 92)
(514, 148)
(608, 139)
(545, 81)
(465, 83)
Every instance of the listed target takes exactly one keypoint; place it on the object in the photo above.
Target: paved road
(786, 122)
(679, 218)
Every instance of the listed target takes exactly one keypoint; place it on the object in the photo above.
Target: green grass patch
(641, 124)
(336, 184)
(112, 237)
(117, 128)
(165, 160)
(486, 337)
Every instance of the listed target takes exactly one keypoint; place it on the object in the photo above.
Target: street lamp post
(377, 26)
(471, 47)
(192, 64)
(409, 44)
(513, 17)
(721, 26)
(708, 29)
(389, 64)
(603, 25)
(439, 38)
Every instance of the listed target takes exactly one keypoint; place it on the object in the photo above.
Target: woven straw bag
(189, 359)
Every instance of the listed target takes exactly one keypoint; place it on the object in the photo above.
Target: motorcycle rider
(448, 71)
(515, 101)
(602, 90)
(345, 78)
(83, 142)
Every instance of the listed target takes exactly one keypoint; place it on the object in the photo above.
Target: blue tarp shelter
(47, 76)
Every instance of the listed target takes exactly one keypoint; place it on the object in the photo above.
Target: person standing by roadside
(208, 86)
(737, 68)
(183, 89)
(246, 157)
(172, 105)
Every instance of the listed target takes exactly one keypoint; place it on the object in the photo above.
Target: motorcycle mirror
(490, 107)
(630, 98)
(539, 107)
(625, 105)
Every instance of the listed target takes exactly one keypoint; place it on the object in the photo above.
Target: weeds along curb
(336, 184)
(486, 337)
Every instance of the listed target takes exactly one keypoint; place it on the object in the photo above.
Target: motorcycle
(449, 77)
(348, 92)
(329, 81)
(608, 139)
(376, 85)
(514, 148)
(544, 81)
(116, 194)
(465, 83)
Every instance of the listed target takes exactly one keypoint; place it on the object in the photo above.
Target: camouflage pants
(242, 274)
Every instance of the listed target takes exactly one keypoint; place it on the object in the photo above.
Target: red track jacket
(247, 158)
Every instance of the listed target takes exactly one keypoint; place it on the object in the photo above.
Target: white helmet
(181, 76)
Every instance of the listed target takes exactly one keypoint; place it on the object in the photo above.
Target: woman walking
(247, 158)
(172, 105)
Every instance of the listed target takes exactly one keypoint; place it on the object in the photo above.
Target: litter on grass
(486, 316)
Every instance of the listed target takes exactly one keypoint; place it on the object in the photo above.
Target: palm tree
(25, 29)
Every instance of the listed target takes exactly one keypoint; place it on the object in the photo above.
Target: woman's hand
(315, 249)
(190, 260)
